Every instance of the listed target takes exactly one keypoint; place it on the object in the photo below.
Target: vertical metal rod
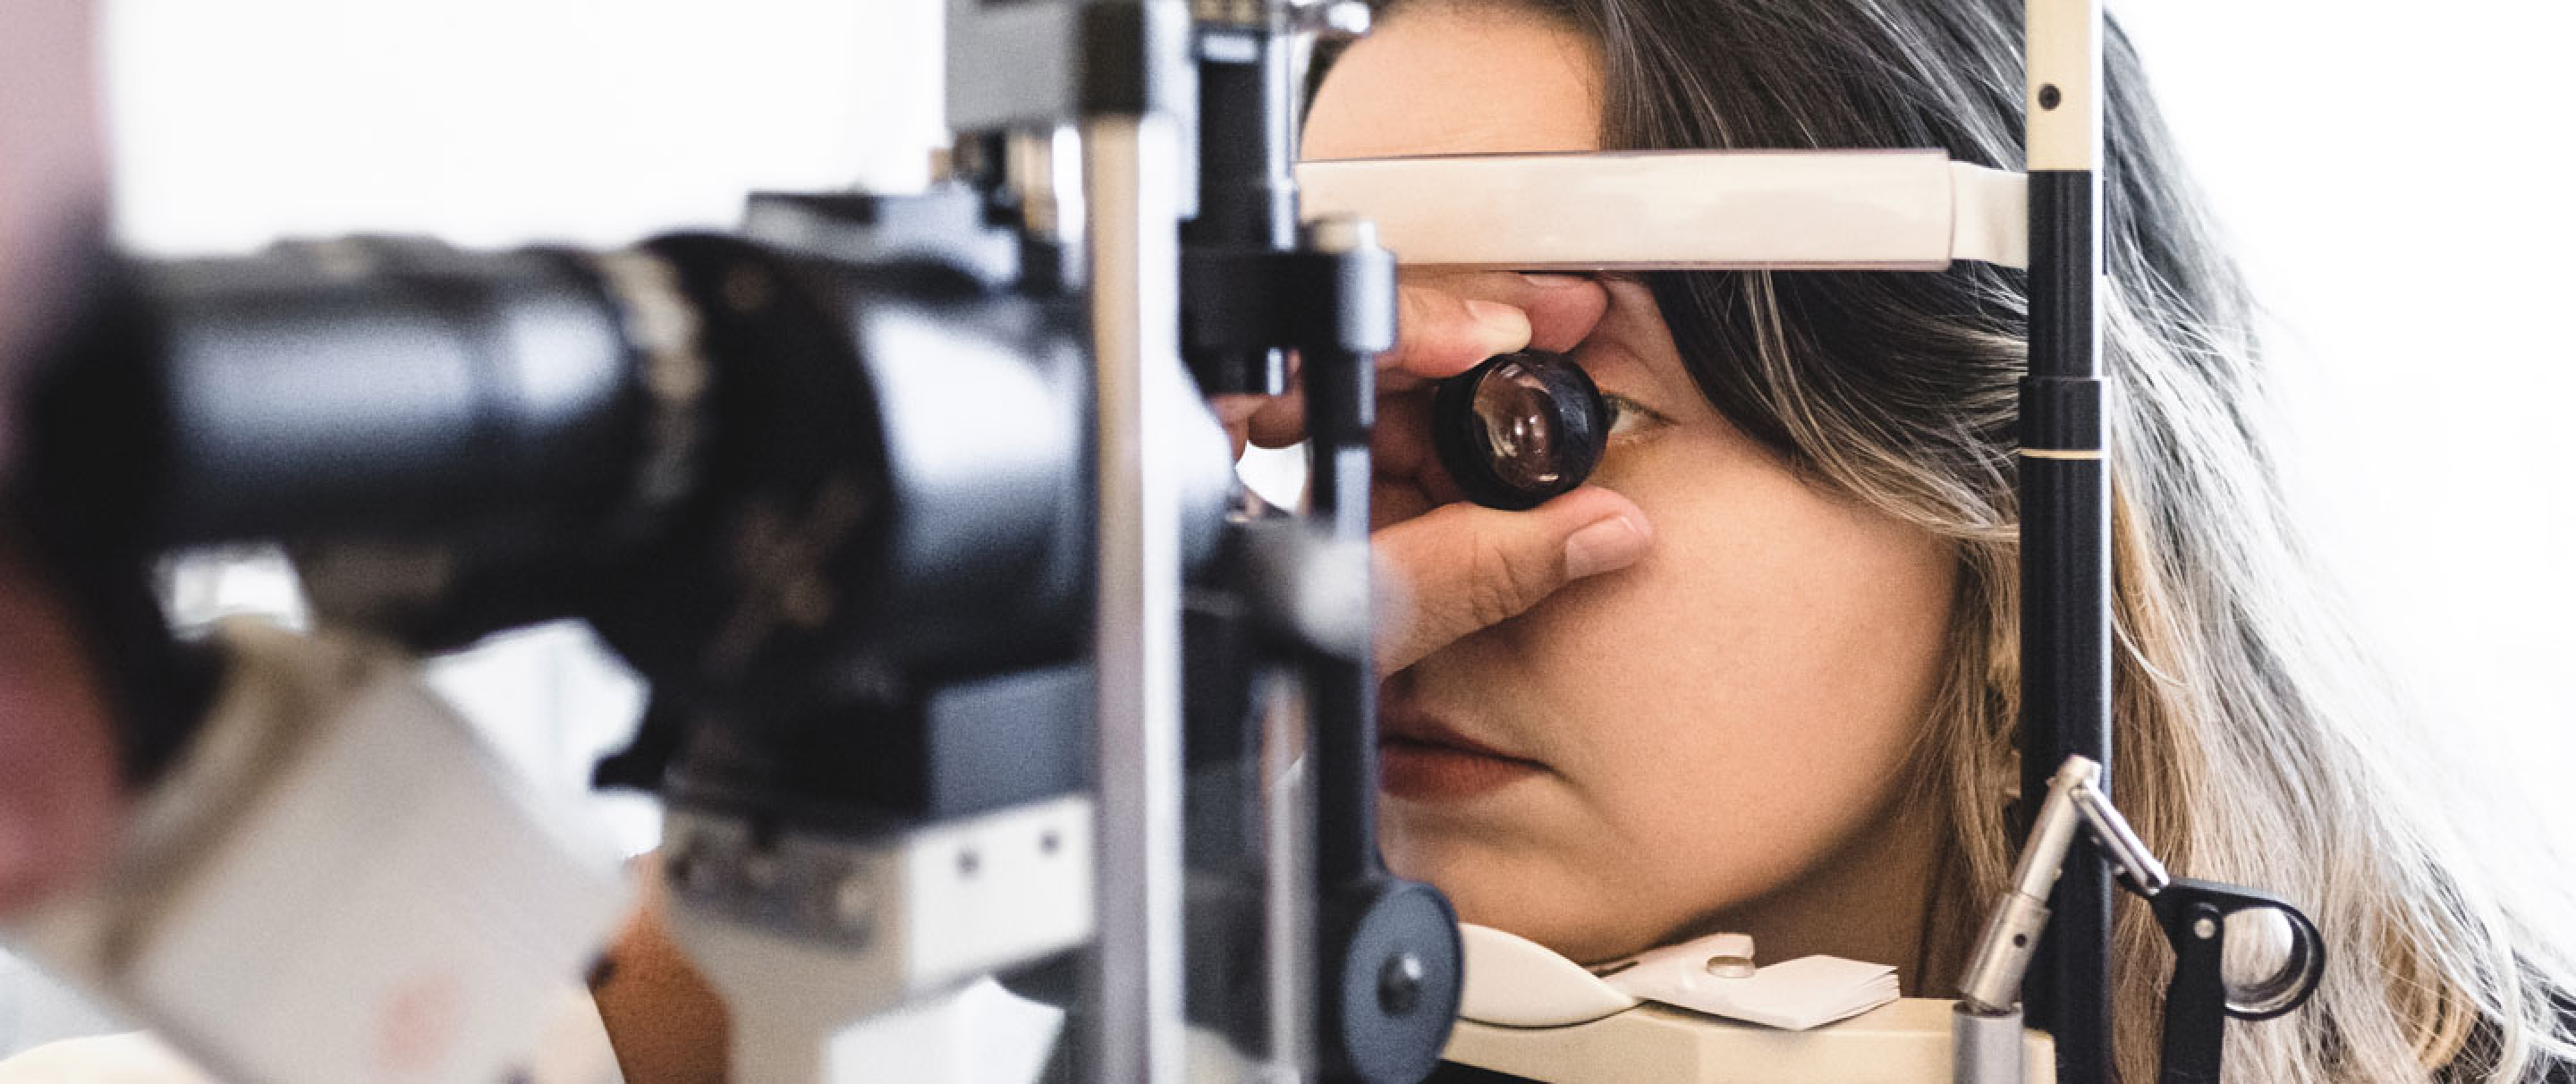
(1340, 410)
(1985, 1048)
(1247, 196)
(2066, 514)
(1131, 167)
(1288, 824)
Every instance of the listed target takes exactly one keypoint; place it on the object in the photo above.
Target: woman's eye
(1628, 417)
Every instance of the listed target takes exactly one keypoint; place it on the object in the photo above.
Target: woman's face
(1719, 736)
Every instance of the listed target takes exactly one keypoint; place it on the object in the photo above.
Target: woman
(1795, 716)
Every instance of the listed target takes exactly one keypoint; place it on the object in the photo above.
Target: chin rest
(1905, 1042)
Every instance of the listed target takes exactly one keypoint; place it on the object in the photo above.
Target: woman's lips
(1421, 759)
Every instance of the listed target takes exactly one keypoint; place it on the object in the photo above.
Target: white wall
(491, 123)
(2397, 177)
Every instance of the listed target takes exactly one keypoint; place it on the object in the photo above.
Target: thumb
(1463, 567)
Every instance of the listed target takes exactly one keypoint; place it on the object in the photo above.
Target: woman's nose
(1409, 478)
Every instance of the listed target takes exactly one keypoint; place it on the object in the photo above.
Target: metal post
(1288, 806)
(1130, 170)
(2066, 514)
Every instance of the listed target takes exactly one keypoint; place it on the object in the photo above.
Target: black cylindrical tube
(1341, 402)
(2065, 583)
(614, 432)
(372, 388)
(1341, 411)
(1520, 429)
(1247, 197)
(2066, 601)
(1245, 189)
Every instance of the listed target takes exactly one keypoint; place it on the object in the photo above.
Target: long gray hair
(2253, 740)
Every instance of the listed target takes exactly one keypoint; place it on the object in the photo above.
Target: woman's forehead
(1442, 78)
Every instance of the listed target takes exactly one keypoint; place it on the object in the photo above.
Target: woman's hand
(1459, 567)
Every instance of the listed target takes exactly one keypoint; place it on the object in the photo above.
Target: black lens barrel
(1520, 429)
(375, 388)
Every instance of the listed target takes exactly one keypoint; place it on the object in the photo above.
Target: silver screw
(1399, 984)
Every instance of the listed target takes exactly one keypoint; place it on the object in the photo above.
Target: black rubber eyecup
(1519, 429)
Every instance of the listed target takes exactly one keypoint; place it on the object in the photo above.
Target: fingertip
(1502, 328)
(1440, 334)
(1562, 315)
(1604, 531)
(1273, 439)
(1606, 545)
(1280, 422)
(1589, 505)
(1236, 410)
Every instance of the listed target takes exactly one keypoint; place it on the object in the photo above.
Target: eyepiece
(1520, 428)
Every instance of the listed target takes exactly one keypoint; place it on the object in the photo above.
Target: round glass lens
(1523, 426)
(1520, 428)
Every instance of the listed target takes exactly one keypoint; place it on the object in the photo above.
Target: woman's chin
(1586, 943)
(1565, 911)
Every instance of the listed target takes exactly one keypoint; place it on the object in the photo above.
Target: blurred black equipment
(909, 512)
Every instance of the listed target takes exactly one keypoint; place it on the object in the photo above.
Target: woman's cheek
(1744, 697)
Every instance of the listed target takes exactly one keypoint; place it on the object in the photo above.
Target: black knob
(1399, 984)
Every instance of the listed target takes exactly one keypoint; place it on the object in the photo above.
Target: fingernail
(1606, 546)
(1506, 328)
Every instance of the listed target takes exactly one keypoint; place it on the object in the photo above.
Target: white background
(2395, 175)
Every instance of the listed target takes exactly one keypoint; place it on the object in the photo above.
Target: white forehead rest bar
(1711, 210)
